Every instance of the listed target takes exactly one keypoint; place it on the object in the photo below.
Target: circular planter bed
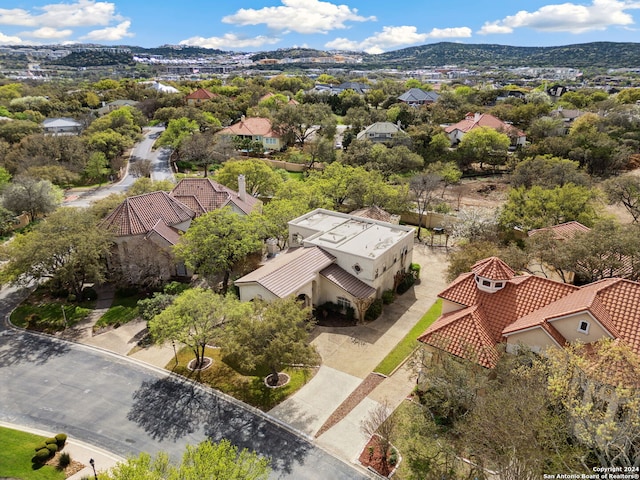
(283, 379)
(206, 363)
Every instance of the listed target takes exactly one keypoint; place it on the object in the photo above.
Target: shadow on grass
(170, 408)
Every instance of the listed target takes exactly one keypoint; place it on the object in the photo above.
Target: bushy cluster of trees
(570, 410)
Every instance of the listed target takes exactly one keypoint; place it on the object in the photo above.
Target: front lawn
(123, 309)
(409, 343)
(247, 387)
(17, 452)
(46, 313)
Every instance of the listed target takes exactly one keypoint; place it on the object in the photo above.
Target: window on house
(486, 283)
(343, 303)
(498, 284)
(583, 327)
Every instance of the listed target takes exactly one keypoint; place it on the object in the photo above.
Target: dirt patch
(71, 469)
(488, 192)
(372, 457)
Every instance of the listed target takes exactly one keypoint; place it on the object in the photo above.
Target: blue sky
(373, 26)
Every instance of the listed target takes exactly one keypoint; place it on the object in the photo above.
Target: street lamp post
(92, 462)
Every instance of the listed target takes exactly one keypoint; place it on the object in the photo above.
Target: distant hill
(597, 54)
(176, 51)
(92, 58)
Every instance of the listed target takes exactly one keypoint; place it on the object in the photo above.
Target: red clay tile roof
(203, 195)
(493, 268)
(527, 302)
(375, 213)
(201, 94)
(463, 333)
(472, 121)
(139, 214)
(347, 282)
(249, 127)
(290, 270)
(165, 232)
(562, 231)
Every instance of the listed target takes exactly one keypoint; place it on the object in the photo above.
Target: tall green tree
(260, 177)
(97, 167)
(483, 145)
(67, 247)
(195, 319)
(218, 241)
(177, 131)
(297, 123)
(205, 149)
(208, 460)
(539, 207)
(276, 335)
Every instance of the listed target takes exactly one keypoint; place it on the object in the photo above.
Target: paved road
(141, 150)
(126, 408)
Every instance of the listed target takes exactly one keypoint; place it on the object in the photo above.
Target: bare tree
(381, 425)
(140, 168)
(424, 187)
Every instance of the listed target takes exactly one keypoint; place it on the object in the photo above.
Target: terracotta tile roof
(290, 270)
(375, 213)
(203, 195)
(463, 333)
(554, 333)
(621, 298)
(347, 282)
(562, 231)
(249, 127)
(201, 94)
(168, 234)
(139, 214)
(472, 121)
(584, 299)
(493, 268)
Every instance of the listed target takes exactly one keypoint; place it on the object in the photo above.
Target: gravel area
(364, 389)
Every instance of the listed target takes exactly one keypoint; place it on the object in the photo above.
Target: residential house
(475, 120)
(111, 106)
(334, 257)
(198, 97)
(568, 116)
(416, 97)
(359, 88)
(381, 132)
(61, 126)
(256, 129)
(492, 305)
(145, 227)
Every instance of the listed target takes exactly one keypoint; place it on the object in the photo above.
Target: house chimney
(476, 117)
(242, 188)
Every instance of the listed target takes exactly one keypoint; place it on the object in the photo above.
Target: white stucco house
(334, 257)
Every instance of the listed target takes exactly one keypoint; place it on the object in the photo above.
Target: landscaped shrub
(42, 455)
(61, 438)
(374, 310)
(40, 446)
(52, 447)
(89, 293)
(64, 460)
(51, 440)
(414, 269)
(393, 457)
(405, 284)
(351, 313)
(175, 288)
(388, 296)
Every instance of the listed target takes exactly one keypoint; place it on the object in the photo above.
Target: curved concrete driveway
(126, 408)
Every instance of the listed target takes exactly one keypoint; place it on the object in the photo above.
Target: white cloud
(109, 34)
(48, 33)
(230, 41)
(392, 37)
(83, 13)
(301, 16)
(9, 40)
(567, 17)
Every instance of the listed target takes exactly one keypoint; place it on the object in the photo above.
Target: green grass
(123, 310)
(409, 343)
(43, 312)
(299, 176)
(17, 452)
(247, 387)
